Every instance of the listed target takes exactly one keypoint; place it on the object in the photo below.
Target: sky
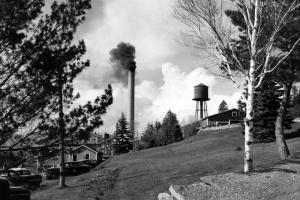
(166, 73)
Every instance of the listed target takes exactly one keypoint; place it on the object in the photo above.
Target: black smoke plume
(122, 59)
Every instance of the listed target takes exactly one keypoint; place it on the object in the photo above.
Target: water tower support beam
(201, 109)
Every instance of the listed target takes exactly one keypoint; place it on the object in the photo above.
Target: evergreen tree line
(162, 133)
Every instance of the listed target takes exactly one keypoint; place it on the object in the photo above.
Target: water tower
(200, 96)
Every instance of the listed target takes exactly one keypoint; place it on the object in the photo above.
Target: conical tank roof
(201, 85)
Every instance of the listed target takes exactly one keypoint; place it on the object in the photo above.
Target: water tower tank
(201, 93)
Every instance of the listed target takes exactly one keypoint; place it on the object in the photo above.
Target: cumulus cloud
(160, 86)
(147, 25)
(175, 94)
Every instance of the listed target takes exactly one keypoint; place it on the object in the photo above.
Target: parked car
(71, 169)
(15, 178)
(12, 193)
(52, 173)
(90, 163)
(26, 174)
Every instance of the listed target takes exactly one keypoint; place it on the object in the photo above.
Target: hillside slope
(146, 173)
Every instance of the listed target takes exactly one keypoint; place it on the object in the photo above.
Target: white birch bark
(248, 159)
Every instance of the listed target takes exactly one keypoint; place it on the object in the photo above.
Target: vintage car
(12, 193)
(36, 179)
(21, 178)
(71, 169)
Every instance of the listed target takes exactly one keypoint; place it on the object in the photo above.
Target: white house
(76, 154)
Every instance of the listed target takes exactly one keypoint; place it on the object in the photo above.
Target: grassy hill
(143, 174)
(146, 173)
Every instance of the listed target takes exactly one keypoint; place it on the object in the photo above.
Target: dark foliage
(241, 106)
(170, 129)
(36, 49)
(37, 76)
(164, 133)
(10, 159)
(266, 104)
(295, 109)
(223, 106)
(122, 136)
(150, 135)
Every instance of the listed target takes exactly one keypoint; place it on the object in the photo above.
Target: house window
(234, 114)
(87, 156)
(74, 157)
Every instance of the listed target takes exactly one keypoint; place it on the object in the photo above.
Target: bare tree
(208, 29)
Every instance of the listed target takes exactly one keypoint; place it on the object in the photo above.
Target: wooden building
(228, 117)
(84, 152)
(75, 154)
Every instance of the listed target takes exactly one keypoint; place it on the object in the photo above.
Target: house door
(74, 157)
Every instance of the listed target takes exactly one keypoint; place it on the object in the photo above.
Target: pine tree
(23, 94)
(170, 130)
(266, 104)
(122, 136)
(64, 58)
(148, 137)
(68, 61)
(223, 106)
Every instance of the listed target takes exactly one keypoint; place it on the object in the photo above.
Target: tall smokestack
(131, 86)
(123, 59)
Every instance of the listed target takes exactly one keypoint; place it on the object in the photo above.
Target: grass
(85, 186)
(144, 174)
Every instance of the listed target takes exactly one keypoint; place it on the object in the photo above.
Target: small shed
(227, 117)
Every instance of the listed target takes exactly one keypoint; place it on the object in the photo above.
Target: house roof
(234, 109)
(85, 146)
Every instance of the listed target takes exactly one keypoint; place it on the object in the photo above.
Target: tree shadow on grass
(293, 134)
(75, 186)
(293, 159)
(275, 169)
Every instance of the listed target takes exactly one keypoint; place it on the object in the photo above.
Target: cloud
(147, 25)
(160, 86)
(175, 94)
(94, 18)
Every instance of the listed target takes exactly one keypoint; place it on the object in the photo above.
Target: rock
(178, 191)
(164, 196)
(204, 184)
(238, 149)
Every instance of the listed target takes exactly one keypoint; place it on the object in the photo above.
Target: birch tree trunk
(279, 133)
(248, 159)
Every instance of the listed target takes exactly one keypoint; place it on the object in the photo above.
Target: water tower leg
(201, 109)
(197, 111)
(205, 114)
